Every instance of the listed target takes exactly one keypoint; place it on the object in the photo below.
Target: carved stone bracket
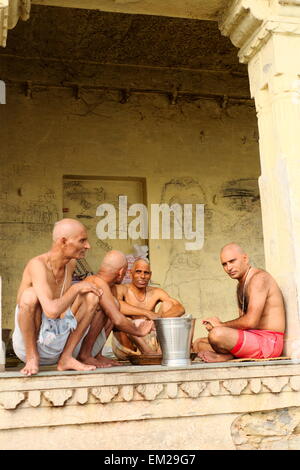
(10, 400)
(105, 394)
(193, 389)
(10, 12)
(58, 397)
(150, 391)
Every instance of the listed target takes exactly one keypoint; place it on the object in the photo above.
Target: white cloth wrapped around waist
(52, 329)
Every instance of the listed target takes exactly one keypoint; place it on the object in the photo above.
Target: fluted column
(10, 12)
(2, 346)
(268, 35)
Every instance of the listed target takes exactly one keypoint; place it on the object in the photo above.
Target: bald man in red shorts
(258, 332)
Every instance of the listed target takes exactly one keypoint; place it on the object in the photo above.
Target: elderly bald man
(138, 300)
(258, 332)
(51, 314)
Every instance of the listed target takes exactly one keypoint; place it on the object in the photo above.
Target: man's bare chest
(144, 300)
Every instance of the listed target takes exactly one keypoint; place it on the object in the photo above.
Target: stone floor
(12, 369)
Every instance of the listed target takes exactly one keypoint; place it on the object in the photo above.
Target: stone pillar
(268, 35)
(2, 346)
(10, 12)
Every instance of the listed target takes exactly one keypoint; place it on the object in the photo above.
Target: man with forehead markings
(51, 314)
(258, 332)
(138, 301)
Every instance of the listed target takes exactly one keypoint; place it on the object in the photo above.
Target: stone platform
(204, 406)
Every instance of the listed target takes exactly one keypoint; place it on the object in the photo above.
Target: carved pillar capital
(251, 23)
(241, 19)
(10, 12)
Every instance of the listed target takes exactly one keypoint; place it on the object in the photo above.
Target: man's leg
(84, 309)
(164, 307)
(108, 327)
(148, 344)
(222, 340)
(29, 320)
(200, 345)
(85, 354)
(110, 362)
(141, 344)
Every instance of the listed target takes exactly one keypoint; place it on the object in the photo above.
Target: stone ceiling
(115, 38)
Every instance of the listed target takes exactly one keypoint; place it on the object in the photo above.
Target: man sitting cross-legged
(258, 332)
(138, 301)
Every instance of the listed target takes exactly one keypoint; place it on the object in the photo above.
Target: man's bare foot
(201, 344)
(107, 362)
(208, 356)
(99, 361)
(31, 366)
(70, 363)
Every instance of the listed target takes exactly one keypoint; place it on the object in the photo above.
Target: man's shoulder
(157, 291)
(120, 290)
(97, 280)
(122, 287)
(39, 260)
(260, 277)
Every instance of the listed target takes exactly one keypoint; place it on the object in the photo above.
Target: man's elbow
(118, 322)
(180, 311)
(251, 323)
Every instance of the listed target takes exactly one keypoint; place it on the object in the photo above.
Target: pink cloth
(258, 344)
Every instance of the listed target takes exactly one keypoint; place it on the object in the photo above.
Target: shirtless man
(111, 273)
(138, 300)
(258, 332)
(51, 315)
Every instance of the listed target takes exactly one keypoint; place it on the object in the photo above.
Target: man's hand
(152, 316)
(86, 287)
(211, 323)
(143, 327)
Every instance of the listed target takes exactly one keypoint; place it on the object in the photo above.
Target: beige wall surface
(203, 433)
(195, 151)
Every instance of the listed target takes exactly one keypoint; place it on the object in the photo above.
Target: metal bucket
(175, 338)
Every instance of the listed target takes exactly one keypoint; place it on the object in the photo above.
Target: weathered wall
(195, 151)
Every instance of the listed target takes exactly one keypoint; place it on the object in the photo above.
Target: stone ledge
(116, 395)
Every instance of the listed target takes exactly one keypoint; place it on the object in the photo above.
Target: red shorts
(258, 344)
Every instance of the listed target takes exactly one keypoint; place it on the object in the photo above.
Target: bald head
(113, 262)
(70, 239)
(234, 247)
(113, 267)
(141, 262)
(235, 260)
(67, 228)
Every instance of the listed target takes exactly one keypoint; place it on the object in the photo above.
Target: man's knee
(217, 335)
(165, 306)
(29, 300)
